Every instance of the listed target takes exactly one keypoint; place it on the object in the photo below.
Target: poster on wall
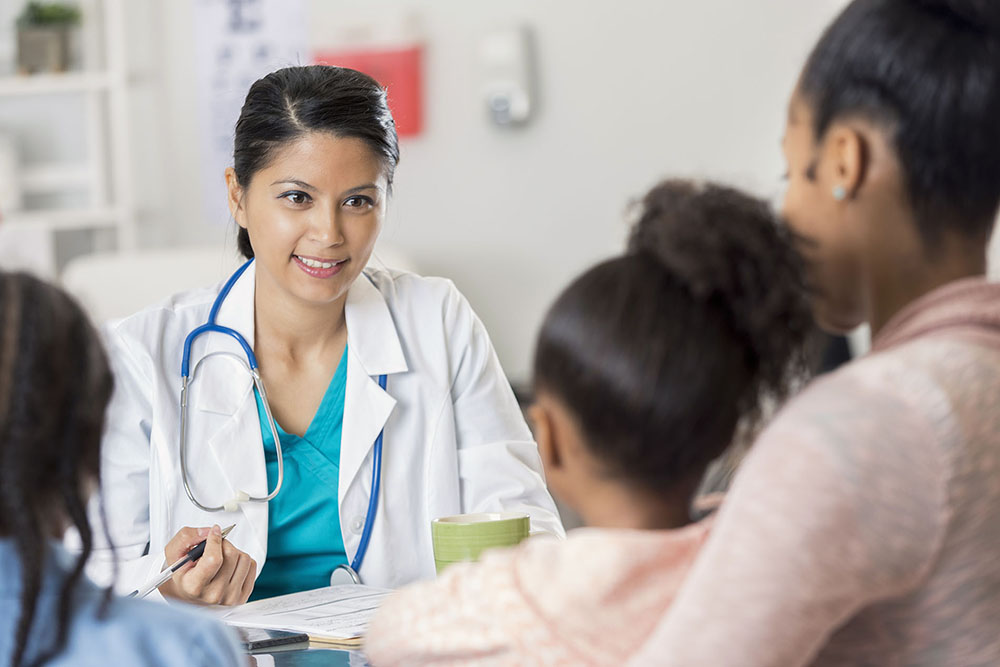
(236, 43)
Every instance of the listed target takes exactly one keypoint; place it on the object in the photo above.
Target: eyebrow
(292, 181)
(306, 186)
(366, 186)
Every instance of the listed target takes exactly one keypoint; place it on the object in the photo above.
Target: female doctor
(389, 405)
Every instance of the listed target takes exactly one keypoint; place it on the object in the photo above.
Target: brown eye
(358, 202)
(295, 197)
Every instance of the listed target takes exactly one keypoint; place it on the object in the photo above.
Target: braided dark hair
(662, 352)
(55, 385)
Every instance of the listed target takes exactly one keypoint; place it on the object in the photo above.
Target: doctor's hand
(223, 575)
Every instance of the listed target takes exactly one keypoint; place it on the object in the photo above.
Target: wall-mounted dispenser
(508, 70)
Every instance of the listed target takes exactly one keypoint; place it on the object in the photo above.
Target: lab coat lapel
(374, 349)
(226, 389)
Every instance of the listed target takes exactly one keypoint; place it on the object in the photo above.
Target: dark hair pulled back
(55, 385)
(928, 72)
(660, 353)
(291, 102)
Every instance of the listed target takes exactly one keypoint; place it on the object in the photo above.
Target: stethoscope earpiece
(233, 503)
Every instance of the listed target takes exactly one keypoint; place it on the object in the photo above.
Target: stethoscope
(250, 365)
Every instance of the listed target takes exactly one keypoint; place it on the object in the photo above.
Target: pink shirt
(592, 599)
(864, 525)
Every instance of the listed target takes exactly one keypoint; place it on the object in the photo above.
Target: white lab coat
(455, 440)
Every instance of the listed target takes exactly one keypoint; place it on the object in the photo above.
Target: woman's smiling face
(313, 215)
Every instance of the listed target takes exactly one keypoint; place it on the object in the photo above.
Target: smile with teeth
(315, 264)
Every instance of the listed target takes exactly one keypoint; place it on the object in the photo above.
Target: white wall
(631, 91)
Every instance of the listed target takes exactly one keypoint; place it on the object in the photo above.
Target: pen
(193, 555)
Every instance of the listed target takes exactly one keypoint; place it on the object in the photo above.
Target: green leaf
(40, 14)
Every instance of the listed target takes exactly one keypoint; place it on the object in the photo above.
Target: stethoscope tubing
(187, 375)
(366, 534)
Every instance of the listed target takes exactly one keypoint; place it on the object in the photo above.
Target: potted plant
(44, 30)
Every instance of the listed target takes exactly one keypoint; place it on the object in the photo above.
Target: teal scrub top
(304, 542)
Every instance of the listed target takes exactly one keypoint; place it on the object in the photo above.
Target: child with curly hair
(645, 367)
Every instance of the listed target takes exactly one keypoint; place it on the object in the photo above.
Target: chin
(313, 289)
(837, 324)
(321, 297)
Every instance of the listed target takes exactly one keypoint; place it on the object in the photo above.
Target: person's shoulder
(176, 310)
(424, 300)
(178, 619)
(465, 581)
(457, 613)
(858, 419)
(144, 632)
(403, 287)
(893, 379)
(603, 557)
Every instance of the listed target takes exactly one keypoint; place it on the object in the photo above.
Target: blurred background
(528, 126)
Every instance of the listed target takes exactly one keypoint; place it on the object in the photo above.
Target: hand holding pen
(222, 575)
(194, 554)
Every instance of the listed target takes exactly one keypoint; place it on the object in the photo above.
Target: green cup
(464, 537)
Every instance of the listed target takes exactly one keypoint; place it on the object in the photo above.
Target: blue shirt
(133, 632)
(304, 542)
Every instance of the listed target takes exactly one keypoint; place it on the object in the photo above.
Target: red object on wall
(398, 70)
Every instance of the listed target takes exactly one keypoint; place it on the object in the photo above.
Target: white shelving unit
(61, 219)
(53, 84)
(104, 174)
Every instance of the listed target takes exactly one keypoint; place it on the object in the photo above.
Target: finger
(231, 560)
(195, 580)
(249, 582)
(182, 541)
(235, 588)
(217, 589)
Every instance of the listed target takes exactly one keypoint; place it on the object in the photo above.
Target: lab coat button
(357, 525)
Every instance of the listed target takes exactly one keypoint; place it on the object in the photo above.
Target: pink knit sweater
(864, 526)
(592, 599)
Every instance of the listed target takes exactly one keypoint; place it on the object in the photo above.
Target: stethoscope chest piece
(344, 575)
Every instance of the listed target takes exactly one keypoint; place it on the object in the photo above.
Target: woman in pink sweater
(644, 367)
(864, 526)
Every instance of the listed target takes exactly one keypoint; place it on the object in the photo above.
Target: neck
(293, 328)
(614, 504)
(900, 280)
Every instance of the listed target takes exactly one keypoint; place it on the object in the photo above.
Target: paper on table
(333, 613)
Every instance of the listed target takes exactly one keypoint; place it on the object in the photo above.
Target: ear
(544, 431)
(847, 157)
(235, 197)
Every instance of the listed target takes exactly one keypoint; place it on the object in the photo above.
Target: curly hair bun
(726, 245)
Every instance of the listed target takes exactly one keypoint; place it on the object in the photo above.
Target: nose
(326, 227)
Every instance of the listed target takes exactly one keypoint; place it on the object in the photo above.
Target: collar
(971, 305)
(371, 331)
(372, 338)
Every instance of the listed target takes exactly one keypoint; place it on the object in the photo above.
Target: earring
(840, 193)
